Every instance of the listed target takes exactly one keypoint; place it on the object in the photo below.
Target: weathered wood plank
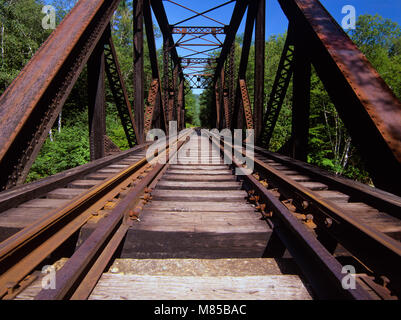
(150, 244)
(200, 195)
(314, 185)
(333, 195)
(83, 184)
(205, 267)
(199, 167)
(64, 193)
(198, 185)
(44, 203)
(133, 287)
(200, 172)
(203, 177)
(21, 217)
(193, 206)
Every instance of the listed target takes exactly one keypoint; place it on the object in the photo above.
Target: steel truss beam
(198, 30)
(139, 75)
(188, 61)
(259, 77)
(96, 101)
(367, 106)
(279, 90)
(158, 101)
(246, 104)
(238, 13)
(237, 119)
(150, 107)
(199, 81)
(119, 91)
(31, 104)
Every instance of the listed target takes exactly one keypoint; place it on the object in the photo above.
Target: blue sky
(276, 21)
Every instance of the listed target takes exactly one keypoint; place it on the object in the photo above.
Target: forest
(67, 146)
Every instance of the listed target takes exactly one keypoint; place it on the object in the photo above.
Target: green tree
(21, 34)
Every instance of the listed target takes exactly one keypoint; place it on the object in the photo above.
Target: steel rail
(103, 241)
(13, 197)
(377, 198)
(22, 252)
(321, 269)
(379, 252)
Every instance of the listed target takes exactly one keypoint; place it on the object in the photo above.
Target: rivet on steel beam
(11, 286)
(309, 217)
(385, 281)
(328, 222)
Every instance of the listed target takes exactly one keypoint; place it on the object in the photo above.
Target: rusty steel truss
(367, 106)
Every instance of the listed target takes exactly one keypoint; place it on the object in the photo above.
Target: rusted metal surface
(31, 104)
(197, 30)
(22, 252)
(368, 107)
(25, 250)
(110, 147)
(75, 267)
(246, 104)
(97, 101)
(300, 101)
(259, 78)
(217, 97)
(187, 61)
(119, 92)
(138, 70)
(181, 104)
(239, 105)
(153, 92)
(159, 108)
(379, 199)
(279, 90)
(238, 13)
(14, 197)
(226, 104)
(323, 271)
(375, 249)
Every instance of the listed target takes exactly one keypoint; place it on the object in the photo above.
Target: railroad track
(357, 224)
(192, 229)
(60, 206)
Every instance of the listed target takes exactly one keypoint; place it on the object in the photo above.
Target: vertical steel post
(175, 82)
(217, 97)
(165, 87)
(139, 76)
(180, 103)
(231, 81)
(96, 101)
(259, 67)
(301, 101)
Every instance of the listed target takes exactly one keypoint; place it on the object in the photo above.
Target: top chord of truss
(198, 30)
